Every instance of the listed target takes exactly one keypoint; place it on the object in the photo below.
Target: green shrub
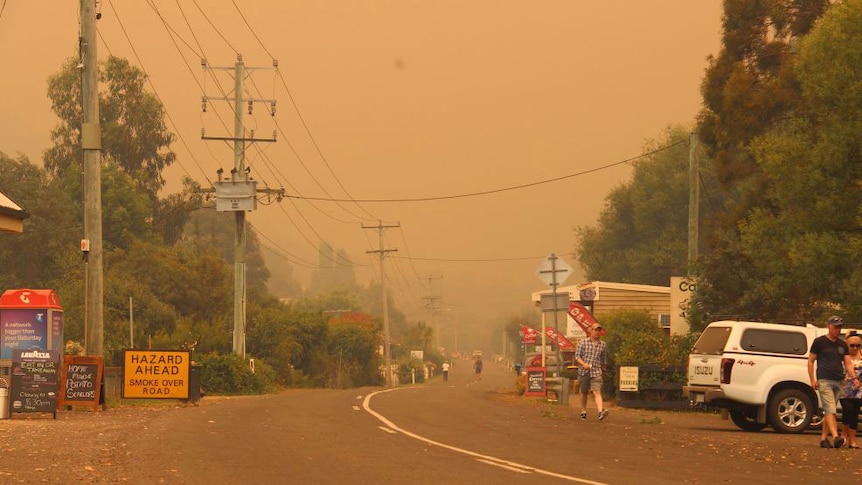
(634, 339)
(406, 371)
(229, 374)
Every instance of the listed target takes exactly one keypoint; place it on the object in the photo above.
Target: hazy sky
(404, 99)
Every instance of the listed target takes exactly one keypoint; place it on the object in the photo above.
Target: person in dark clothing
(832, 357)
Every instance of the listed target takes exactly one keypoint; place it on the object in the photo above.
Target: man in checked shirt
(590, 356)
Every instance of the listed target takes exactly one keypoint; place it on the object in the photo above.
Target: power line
(497, 191)
(486, 260)
(217, 31)
(155, 92)
(251, 30)
(172, 33)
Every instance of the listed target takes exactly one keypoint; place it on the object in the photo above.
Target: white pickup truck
(756, 372)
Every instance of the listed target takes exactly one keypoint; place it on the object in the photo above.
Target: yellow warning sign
(156, 374)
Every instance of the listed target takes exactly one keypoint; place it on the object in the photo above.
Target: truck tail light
(726, 369)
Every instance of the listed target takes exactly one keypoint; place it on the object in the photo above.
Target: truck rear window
(774, 341)
(712, 341)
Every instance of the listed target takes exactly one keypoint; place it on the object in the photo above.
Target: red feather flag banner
(582, 317)
(562, 342)
(530, 335)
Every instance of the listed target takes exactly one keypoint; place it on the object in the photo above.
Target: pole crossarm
(240, 139)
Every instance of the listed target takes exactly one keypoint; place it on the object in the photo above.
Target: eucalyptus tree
(750, 85)
(641, 235)
(134, 134)
(751, 89)
(806, 241)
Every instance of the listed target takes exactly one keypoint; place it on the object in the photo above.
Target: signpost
(81, 381)
(629, 378)
(535, 383)
(34, 381)
(156, 374)
(553, 271)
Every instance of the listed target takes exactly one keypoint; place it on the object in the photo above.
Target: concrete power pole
(387, 351)
(91, 144)
(238, 193)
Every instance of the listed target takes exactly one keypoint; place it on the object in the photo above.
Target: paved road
(464, 431)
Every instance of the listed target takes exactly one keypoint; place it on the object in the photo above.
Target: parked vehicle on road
(534, 359)
(756, 372)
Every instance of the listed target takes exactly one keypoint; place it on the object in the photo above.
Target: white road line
(388, 430)
(510, 468)
(355, 407)
(484, 458)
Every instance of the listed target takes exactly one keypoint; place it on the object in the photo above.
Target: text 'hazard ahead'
(156, 374)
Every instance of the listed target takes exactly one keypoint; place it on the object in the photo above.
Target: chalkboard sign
(81, 381)
(535, 381)
(34, 381)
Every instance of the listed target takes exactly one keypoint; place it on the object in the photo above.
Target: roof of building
(11, 215)
(576, 289)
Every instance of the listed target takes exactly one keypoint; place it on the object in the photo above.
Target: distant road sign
(554, 270)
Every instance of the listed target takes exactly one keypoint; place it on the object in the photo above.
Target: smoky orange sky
(403, 99)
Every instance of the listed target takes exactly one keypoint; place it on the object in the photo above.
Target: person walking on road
(851, 394)
(445, 371)
(590, 356)
(477, 366)
(832, 357)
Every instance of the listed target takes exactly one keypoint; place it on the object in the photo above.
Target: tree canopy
(782, 183)
(170, 260)
(134, 134)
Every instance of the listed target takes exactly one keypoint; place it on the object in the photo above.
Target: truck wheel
(790, 411)
(745, 420)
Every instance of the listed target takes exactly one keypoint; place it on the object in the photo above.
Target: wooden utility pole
(94, 333)
(387, 352)
(239, 217)
(433, 307)
(693, 203)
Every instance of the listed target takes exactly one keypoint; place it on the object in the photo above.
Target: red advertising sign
(582, 317)
(562, 342)
(529, 334)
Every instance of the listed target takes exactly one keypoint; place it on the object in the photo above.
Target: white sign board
(681, 291)
(628, 378)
